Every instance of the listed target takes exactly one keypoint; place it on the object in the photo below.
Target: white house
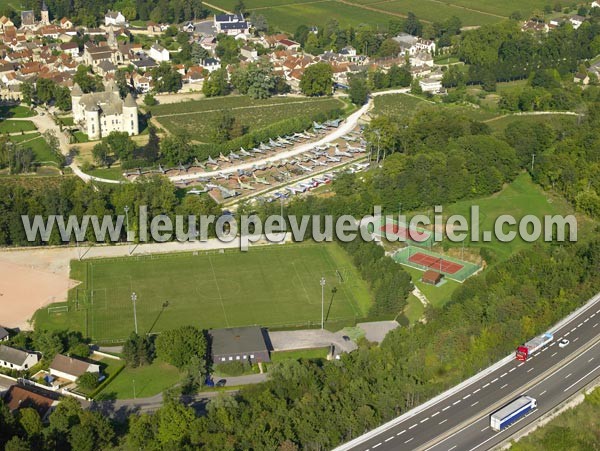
(158, 53)
(16, 359)
(71, 368)
(211, 64)
(231, 24)
(430, 84)
(595, 5)
(249, 53)
(576, 21)
(421, 59)
(114, 18)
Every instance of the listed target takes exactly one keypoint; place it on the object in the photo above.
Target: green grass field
(197, 117)
(276, 286)
(147, 380)
(316, 353)
(18, 111)
(8, 126)
(399, 105)
(287, 15)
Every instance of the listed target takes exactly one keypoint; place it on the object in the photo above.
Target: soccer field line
(219, 290)
(301, 283)
(349, 296)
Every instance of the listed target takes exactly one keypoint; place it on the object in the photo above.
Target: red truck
(533, 345)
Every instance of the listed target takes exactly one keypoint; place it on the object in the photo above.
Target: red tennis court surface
(415, 235)
(435, 263)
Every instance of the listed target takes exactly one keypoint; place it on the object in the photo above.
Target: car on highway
(562, 343)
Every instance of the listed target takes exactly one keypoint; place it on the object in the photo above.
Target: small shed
(432, 277)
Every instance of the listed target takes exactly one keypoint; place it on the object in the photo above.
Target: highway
(460, 421)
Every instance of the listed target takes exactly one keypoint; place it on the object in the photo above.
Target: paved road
(461, 421)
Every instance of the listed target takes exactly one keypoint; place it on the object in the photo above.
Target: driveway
(310, 338)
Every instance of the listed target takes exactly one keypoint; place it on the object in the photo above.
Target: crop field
(197, 119)
(399, 105)
(288, 15)
(272, 286)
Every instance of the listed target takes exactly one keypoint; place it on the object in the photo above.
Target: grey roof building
(16, 359)
(3, 334)
(239, 344)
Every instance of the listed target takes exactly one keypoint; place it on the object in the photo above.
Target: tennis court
(424, 259)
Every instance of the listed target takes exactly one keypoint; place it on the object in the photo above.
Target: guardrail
(411, 413)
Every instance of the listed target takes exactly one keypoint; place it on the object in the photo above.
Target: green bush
(237, 368)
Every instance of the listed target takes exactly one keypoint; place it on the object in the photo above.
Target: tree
(88, 381)
(216, 84)
(260, 82)
(178, 346)
(62, 96)
(359, 91)
(27, 92)
(86, 82)
(138, 351)
(48, 343)
(240, 7)
(149, 100)
(399, 76)
(166, 78)
(100, 154)
(198, 53)
(30, 421)
(317, 80)
(259, 22)
(227, 49)
(44, 90)
(121, 145)
(176, 149)
(412, 25)
(389, 48)
(151, 150)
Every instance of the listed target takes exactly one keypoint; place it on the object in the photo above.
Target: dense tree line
(502, 52)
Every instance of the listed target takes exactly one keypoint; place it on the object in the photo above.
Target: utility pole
(532, 161)
(127, 231)
(322, 303)
(378, 133)
(133, 388)
(133, 299)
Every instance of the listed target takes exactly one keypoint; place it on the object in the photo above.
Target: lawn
(147, 381)
(316, 353)
(18, 111)
(520, 198)
(414, 309)
(437, 296)
(399, 105)
(559, 122)
(274, 286)
(8, 126)
(81, 137)
(43, 153)
(196, 118)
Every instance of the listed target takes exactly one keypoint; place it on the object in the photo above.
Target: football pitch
(275, 286)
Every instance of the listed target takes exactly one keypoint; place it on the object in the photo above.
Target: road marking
(592, 315)
(402, 432)
(475, 403)
(450, 449)
(544, 349)
(574, 329)
(485, 428)
(442, 422)
(477, 391)
(575, 339)
(512, 369)
(568, 375)
(553, 343)
(455, 402)
(467, 396)
(590, 360)
(379, 444)
(567, 334)
(595, 325)
(389, 438)
(521, 364)
(580, 324)
(412, 427)
(536, 354)
(409, 440)
(580, 379)
(424, 420)
(554, 354)
(530, 369)
(486, 385)
(586, 320)
(435, 414)
(505, 385)
(445, 408)
(494, 380)
(542, 393)
(502, 375)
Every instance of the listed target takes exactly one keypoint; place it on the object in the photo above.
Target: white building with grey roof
(16, 359)
(100, 113)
